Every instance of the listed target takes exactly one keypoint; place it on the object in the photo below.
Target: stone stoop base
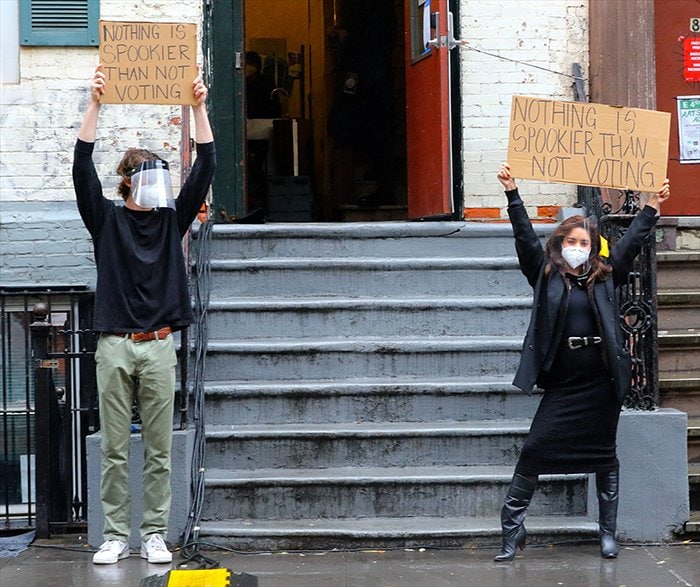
(652, 450)
(180, 480)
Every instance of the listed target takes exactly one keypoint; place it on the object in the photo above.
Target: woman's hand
(506, 178)
(661, 196)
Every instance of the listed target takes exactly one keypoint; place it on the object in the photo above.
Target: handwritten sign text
(148, 62)
(588, 144)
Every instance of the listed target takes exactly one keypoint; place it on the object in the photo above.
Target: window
(422, 29)
(9, 42)
(59, 22)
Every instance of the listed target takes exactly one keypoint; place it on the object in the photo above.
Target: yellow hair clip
(604, 249)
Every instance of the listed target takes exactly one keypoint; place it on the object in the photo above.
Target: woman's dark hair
(128, 165)
(599, 269)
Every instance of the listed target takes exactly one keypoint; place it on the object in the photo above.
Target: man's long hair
(128, 165)
(598, 269)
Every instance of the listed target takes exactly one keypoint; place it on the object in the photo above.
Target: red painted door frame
(428, 128)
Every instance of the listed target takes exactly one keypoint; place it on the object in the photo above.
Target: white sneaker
(155, 551)
(111, 551)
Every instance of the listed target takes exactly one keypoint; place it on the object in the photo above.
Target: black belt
(578, 342)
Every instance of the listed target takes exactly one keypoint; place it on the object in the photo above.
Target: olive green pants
(145, 371)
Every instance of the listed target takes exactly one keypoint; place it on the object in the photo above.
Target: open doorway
(325, 109)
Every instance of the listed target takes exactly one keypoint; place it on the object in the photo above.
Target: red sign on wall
(691, 59)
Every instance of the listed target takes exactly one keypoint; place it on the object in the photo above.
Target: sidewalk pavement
(67, 563)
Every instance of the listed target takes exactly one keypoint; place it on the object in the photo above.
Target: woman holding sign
(575, 350)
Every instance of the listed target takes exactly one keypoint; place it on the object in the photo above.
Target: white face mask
(575, 256)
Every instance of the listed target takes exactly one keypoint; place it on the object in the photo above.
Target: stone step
(692, 526)
(678, 270)
(365, 444)
(679, 310)
(262, 317)
(381, 240)
(694, 440)
(679, 351)
(681, 390)
(379, 399)
(465, 532)
(441, 277)
(343, 358)
(386, 492)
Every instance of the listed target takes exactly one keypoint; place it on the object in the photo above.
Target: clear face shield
(151, 186)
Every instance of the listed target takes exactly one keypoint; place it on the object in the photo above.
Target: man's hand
(97, 87)
(203, 132)
(200, 91)
(88, 128)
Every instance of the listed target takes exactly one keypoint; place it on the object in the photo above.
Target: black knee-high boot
(607, 486)
(513, 515)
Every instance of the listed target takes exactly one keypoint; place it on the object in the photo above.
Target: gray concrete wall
(183, 446)
(44, 242)
(653, 452)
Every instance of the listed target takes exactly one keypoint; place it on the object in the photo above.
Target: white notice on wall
(689, 128)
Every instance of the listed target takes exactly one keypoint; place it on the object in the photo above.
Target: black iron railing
(615, 210)
(65, 415)
(638, 305)
(49, 406)
(637, 298)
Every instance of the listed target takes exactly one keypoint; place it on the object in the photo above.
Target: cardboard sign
(588, 144)
(148, 62)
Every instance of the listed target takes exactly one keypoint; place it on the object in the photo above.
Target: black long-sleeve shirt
(141, 274)
(543, 335)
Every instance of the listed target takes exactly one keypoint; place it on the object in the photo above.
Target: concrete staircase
(679, 353)
(358, 389)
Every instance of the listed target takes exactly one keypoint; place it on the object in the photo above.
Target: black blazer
(549, 293)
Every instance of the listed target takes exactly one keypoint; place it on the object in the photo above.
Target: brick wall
(40, 120)
(44, 242)
(551, 34)
(41, 116)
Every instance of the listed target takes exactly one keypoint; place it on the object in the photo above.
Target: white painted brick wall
(41, 115)
(42, 239)
(551, 34)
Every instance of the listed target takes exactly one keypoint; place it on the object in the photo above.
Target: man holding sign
(141, 298)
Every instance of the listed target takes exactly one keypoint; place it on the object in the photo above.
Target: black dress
(575, 427)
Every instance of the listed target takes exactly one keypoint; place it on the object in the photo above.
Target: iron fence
(49, 406)
(615, 210)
